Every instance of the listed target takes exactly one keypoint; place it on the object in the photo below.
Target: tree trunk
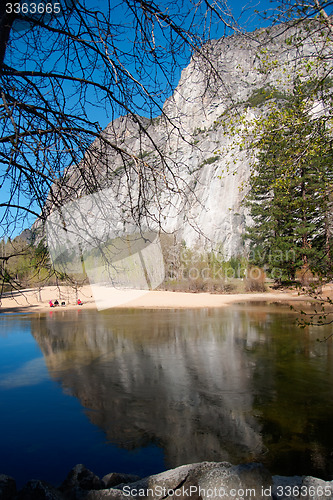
(305, 243)
(328, 230)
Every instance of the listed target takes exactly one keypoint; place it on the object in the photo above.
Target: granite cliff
(192, 168)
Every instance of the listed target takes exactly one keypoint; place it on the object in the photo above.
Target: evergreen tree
(291, 186)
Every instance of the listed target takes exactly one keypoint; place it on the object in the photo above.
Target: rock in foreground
(205, 480)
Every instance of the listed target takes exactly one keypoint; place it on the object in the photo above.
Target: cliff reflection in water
(185, 380)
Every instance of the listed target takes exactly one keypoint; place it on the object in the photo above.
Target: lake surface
(140, 391)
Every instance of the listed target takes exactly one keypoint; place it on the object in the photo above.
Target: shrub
(255, 280)
(305, 276)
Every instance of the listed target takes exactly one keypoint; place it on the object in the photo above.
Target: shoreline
(37, 301)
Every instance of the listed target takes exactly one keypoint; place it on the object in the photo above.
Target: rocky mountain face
(183, 171)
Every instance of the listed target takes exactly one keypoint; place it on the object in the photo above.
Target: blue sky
(244, 12)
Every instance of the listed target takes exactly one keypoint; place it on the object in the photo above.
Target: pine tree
(291, 186)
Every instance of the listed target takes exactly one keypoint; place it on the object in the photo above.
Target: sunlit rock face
(195, 172)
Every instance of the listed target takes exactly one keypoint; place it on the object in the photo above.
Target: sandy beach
(34, 300)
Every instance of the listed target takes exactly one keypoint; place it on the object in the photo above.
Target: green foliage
(23, 264)
(117, 171)
(291, 187)
(199, 130)
(155, 121)
(210, 160)
(143, 154)
(189, 269)
(264, 94)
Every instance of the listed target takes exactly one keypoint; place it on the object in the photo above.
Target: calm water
(142, 391)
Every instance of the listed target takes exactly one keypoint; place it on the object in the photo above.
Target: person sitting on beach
(79, 303)
(63, 303)
(56, 303)
(51, 303)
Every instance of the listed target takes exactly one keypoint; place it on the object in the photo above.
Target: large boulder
(115, 479)
(304, 487)
(213, 480)
(79, 481)
(316, 489)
